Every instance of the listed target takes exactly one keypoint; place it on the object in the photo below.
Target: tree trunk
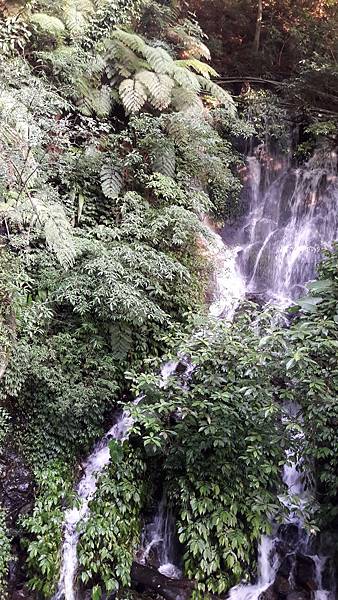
(259, 18)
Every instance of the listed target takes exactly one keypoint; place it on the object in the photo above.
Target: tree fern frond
(192, 44)
(49, 217)
(186, 78)
(76, 15)
(200, 67)
(131, 40)
(133, 95)
(124, 58)
(111, 181)
(165, 162)
(159, 60)
(183, 100)
(102, 101)
(221, 95)
(47, 23)
(158, 86)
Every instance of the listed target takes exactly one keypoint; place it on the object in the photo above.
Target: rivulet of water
(85, 491)
(291, 216)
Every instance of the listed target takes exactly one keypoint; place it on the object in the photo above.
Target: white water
(291, 215)
(289, 220)
(275, 252)
(228, 289)
(85, 491)
(228, 283)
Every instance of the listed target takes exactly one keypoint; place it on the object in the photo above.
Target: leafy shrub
(44, 527)
(111, 535)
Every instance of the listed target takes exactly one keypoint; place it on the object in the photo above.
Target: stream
(270, 253)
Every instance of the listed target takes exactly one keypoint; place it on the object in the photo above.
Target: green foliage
(312, 367)
(44, 527)
(4, 425)
(222, 445)
(150, 74)
(111, 535)
(5, 554)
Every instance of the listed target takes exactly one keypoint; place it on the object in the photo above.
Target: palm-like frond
(133, 95)
(200, 67)
(111, 181)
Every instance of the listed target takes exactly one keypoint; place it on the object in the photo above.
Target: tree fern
(165, 161)
(221, 95)
(185, 78)
(76, 15)
(133, 95)
(38, 213)
(131, 40)
(111, 181)
(158, 86)
(159, 60)
(184, 100)
(48, 24)
(200, 67)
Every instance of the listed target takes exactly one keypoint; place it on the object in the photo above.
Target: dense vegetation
(115, 142)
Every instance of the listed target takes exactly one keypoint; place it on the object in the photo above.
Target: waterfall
(228, 289)
(85, 491)
(291, 215)
(271, 253)
(159, 539)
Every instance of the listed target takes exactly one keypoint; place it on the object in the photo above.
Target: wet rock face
(16, 496)
(16, 486)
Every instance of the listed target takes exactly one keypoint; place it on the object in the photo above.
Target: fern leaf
(158, 86)
(102, 101)
(131, 40)
(133, 95)
(159, 60)
(76, 15)
(49, 24)
(184, 100)
(200, 67)
(111, 181)
(165, 162)
(186, 78)
(221, 95)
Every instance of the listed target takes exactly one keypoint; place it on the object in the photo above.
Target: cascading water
(290, 216)
(85, 491)
(225, 302)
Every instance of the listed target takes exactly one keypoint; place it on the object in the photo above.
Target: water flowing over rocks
(268, 255)
(291, 214)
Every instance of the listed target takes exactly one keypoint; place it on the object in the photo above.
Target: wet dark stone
(305, 573)
(22, 594)
(281, 587)
(285, 567)
(16, 485)
(16, 496)
(269, 594)
(298, 596)
(289, 534)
